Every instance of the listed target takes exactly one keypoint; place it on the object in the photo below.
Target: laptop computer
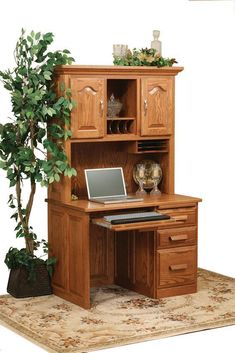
(107, 185)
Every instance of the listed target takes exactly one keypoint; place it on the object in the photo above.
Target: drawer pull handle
(178, 237)
(101, 107)
(145, 107)
(180, 218)
(178, 267)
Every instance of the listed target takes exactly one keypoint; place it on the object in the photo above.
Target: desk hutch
(157, 258)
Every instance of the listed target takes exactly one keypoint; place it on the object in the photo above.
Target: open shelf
(110, 154)
(150, 146)
(125, 91)
(120, 125)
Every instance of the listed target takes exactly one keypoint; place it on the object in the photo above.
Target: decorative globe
(148, 173)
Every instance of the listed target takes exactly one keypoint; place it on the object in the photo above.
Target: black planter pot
(20, 287)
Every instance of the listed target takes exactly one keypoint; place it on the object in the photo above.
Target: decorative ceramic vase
(114, 107)
(156, 44)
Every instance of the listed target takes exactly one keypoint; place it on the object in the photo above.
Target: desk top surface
(171, 200)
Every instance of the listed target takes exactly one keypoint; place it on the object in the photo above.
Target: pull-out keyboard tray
(143, 225)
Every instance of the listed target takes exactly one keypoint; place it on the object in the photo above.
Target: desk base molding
(180, 290)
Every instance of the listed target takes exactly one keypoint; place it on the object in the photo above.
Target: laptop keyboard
(114, 198)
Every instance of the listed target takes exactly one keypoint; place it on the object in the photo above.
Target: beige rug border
(25, 333)
(49, 347)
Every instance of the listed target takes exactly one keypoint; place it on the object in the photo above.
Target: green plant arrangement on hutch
(31, 135)
(143, 57)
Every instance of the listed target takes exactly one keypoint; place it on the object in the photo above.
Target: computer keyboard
(135, 217)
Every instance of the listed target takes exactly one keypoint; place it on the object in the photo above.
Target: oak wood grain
(177, 266)
(117, 70)
(173, 237)
(87, 117)
(150, 202)
(101, 256)
(157, 103)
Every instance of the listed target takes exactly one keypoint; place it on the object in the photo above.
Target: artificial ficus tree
(33, 133)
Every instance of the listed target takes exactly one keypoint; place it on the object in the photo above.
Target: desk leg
(69, 241)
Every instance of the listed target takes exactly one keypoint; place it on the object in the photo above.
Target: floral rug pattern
(119, 316)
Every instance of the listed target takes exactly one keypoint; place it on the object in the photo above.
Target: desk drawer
(176, 237)
(176, 267)
(188, 213)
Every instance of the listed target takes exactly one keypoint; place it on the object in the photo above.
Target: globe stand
(141, 190)
(155, 190)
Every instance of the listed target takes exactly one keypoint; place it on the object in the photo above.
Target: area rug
(119, 316)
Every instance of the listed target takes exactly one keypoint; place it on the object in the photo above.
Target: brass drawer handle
(145, 107)
(178, 267)
(101, 107)
(178, 237)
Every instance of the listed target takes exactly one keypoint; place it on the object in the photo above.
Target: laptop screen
(105, 182)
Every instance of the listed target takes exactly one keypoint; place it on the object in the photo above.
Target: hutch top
(144, 128)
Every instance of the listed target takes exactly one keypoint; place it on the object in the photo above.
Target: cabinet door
(87, 118)
(69, 241)
(156, 106)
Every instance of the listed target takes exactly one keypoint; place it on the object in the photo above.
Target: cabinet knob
(145, 107)
(101, 107)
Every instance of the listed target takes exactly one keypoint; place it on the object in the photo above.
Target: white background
(200, 35)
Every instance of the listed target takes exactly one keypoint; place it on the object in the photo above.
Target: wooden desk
(156, 259)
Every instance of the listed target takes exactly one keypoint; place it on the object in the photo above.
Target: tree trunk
(24, 219)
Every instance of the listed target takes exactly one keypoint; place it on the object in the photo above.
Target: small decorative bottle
(75, 189)
(156, 44)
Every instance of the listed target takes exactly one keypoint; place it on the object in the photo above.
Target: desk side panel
(57, 238)
(69, 241)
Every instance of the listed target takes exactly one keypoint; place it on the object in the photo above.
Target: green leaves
(37, 125)
(48, 37)
(37, 35)
(67, 134)
(47, 75)
(16, 258)
(70, 172)
(3, 164)
(51, 111)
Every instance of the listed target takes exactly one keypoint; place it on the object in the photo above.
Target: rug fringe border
(25, 333)
(124, 342)
(121, 342)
